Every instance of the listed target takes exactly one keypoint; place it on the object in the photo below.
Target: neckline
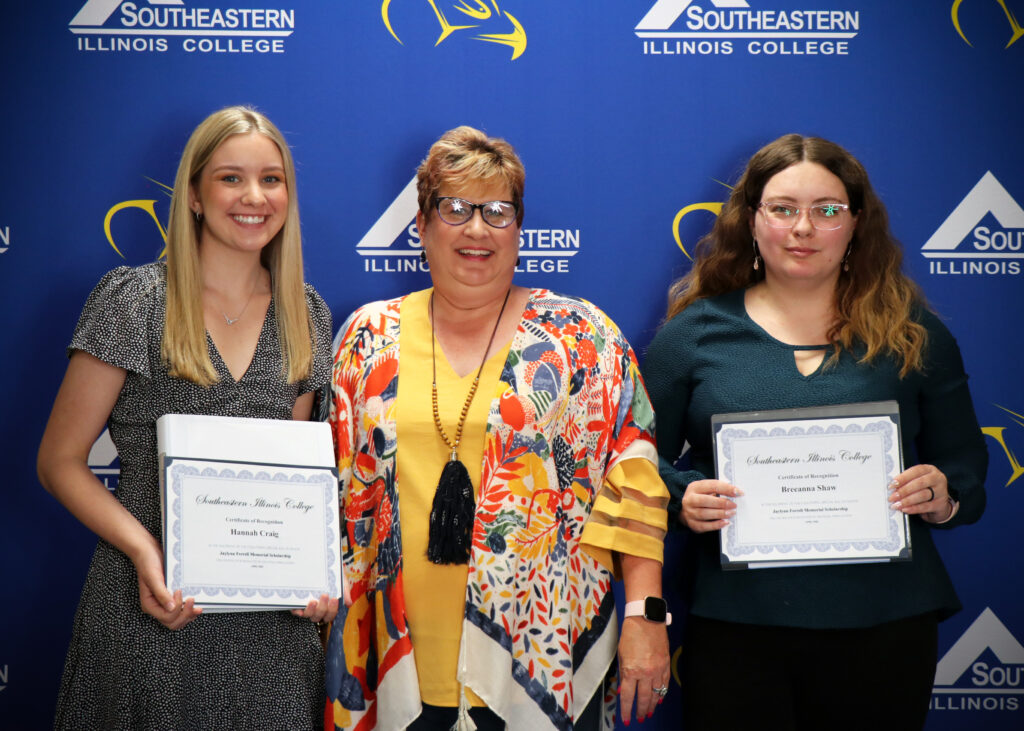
(222, 366)
(420, 300)
(742, 306)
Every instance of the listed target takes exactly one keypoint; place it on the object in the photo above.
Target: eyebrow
(815, 202)
(232, 166)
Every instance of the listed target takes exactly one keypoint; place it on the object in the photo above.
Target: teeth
(474, 252)
(249, 219)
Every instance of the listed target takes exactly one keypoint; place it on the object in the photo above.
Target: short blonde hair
(183, 347)
(463, 156)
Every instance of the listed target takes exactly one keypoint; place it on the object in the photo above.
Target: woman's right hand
(707, 505)
(155, 598)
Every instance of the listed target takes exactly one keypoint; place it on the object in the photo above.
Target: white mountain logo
(664, 13)
(393, 221)
(985, 633)
(988, 196)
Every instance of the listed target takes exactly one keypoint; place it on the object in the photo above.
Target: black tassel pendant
(451, 516)
(450, 538)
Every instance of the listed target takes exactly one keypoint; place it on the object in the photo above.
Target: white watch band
(636, 609)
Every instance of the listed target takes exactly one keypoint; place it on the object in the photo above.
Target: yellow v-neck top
(435, 596)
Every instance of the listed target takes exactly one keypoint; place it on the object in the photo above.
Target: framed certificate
(256, 527)
(815, 483)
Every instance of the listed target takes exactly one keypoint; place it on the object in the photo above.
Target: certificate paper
(815, 485)
(249, 534)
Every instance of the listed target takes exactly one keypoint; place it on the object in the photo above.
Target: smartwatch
(652, 608)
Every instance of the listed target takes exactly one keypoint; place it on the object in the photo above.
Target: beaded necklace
(451, 514)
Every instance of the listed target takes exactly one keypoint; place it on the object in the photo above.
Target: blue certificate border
(178, 468)
(727, 433)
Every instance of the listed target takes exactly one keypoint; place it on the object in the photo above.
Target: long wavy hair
(874, 301)
(183, 347)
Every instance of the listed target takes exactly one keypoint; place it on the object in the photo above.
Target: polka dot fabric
(124, 670)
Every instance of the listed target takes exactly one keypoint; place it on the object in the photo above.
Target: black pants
(441, 718)
(741, 676)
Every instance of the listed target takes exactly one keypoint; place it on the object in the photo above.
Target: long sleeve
(713, 359)
(668, 371)
(950, 437)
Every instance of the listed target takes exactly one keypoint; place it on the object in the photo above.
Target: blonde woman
(225, 326)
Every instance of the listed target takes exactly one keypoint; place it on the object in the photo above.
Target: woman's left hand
(643, 666)
(323, 610)
(922, 490)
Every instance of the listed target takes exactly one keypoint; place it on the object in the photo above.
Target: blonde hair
(183, 347)
(463, 156)
(875, 300)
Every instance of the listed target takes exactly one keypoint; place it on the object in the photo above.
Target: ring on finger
(662, 691)
(932, 493)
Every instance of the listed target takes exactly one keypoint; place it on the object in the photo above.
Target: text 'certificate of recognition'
(815, 484)
(250, 511)
(250, 537)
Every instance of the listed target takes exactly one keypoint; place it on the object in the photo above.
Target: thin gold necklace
(233, 320)
(451, 515)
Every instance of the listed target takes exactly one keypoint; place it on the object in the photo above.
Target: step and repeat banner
(632, 117)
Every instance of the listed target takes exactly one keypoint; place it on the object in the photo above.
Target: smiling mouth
(474, 252)
(250, 219)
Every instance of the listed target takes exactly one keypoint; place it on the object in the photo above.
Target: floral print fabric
(539, 632)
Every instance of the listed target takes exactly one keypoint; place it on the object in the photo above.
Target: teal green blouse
(712, 358)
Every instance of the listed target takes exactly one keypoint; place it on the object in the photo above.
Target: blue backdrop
(632, 117)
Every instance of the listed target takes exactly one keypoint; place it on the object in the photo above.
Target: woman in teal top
(796, 299)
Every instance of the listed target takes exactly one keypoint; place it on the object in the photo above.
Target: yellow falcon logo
(476, 14)
(1015, 29)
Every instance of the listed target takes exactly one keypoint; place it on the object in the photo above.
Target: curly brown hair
(875, 300)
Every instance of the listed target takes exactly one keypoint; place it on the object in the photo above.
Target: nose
(803, 226)
(253, 194)
(475, 226)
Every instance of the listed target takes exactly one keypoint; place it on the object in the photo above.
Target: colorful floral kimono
(539, 633)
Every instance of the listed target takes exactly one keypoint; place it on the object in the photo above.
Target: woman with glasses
(797, 299)
(498, 471)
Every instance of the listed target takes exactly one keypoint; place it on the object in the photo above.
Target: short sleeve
(320, 315)
(116, 322)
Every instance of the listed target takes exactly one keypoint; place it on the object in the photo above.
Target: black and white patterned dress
(124, 670)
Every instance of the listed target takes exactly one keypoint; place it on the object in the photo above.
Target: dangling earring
(757, 256)
(846, 258)
(423, 257)
(198, 216)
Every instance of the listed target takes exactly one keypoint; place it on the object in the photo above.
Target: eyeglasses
(457, 211)
(824, 216)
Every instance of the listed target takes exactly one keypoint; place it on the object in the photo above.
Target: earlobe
(421, 224)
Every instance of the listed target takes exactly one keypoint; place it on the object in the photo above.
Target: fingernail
(730, 513)
(739, 492)
(170, 606)
(725, 522)
(894, 484)
(896, 505)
